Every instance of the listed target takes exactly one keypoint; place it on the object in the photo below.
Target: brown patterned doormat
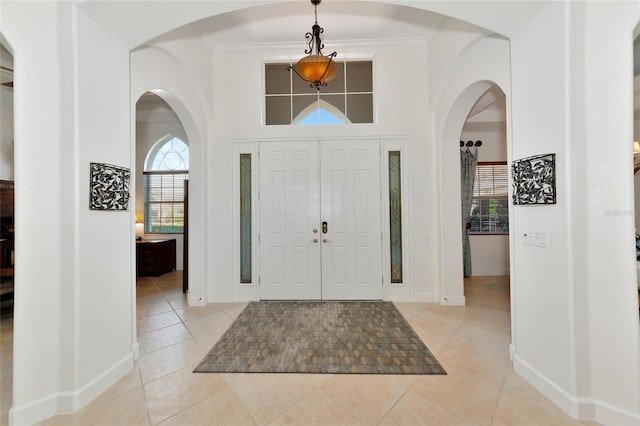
(320, 337)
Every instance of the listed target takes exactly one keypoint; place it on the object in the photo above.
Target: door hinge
(258, 280)
(381, 236)
(258, 237)
(382, 280)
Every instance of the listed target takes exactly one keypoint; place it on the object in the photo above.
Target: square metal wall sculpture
(109, 188)
(534, 180)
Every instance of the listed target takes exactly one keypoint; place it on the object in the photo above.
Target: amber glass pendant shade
(316, 69)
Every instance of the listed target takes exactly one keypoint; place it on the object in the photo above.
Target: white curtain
(468, 161)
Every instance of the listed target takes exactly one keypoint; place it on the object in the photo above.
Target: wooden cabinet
(155, 257)
(6, 247)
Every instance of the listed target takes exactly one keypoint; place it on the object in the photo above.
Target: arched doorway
(486, 237)
(157, 126)
(453, 230)
(160, 116)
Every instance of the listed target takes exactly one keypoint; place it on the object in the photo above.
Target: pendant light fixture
(315, 68)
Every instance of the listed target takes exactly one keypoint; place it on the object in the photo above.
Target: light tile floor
(471, 342)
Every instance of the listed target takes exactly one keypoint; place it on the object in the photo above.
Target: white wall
(104, 288)
(36, 323)
(73, 287)
(575, 332)
(6, 133)
(237, 115)
(154, 122)
(489, 255)
(542, 274)
(575, 329)
(613, 338)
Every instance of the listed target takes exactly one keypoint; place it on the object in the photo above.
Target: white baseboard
(219, 298)
(196, 301)
(584, 409)
(135, 350)
(69, 401)
(426, 298)
(452, 301)
(498, 272)
(611, 415)
(34, 412)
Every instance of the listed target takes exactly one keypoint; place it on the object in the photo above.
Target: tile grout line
(385, 415)
(504, 380)
(237, 397)
(158, 378)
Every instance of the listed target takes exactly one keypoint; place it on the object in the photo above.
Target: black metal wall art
(109, 188)
(534, 180)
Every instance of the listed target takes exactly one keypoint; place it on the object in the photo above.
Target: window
(395, 217)
(348, 98)
(245, 218)
(490, 208)
(166, 169)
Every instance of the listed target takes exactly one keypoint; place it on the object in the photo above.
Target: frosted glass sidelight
(245, 218)
(395, 217)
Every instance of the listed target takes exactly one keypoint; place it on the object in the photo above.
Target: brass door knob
(324, 240)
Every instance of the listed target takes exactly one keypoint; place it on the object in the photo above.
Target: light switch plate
(535, 238)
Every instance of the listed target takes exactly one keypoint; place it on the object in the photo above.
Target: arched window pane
(172, 154)
(321, 116)
(320, 112)
(166, 170)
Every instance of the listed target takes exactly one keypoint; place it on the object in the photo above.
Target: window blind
(164, 201)
(491, 181)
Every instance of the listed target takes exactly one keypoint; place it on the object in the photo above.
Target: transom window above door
(347, 98)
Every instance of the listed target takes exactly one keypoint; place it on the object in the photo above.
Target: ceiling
(129, 21)
(488, 113)
(288, 23)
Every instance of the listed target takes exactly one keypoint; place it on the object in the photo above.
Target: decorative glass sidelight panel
(245, 218)
(395, 217)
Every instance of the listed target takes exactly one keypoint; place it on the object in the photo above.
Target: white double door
(320, 220)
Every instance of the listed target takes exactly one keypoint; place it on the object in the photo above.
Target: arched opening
(454, 227)
(485, 242)
(162, 166)
(7, 228)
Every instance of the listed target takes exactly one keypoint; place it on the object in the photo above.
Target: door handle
(325, 227)
(324, 240)
(315, 240)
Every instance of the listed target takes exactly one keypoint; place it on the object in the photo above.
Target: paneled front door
(320, 220)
